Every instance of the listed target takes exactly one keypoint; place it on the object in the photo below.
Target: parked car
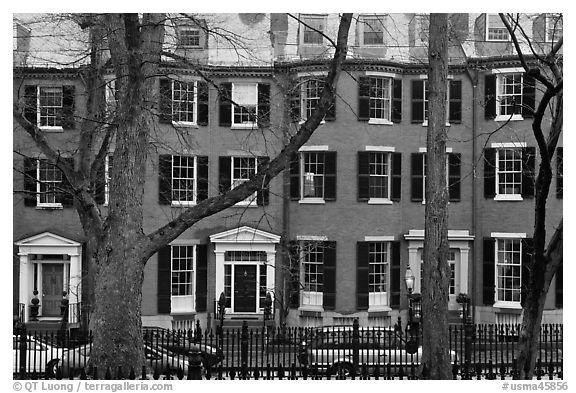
(40, 356)
(157, 358)
(331, 348)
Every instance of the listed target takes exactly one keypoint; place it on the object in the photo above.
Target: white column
(75, 284)
(219, 272)
(270, 273)
(464, 253)
(25, 293)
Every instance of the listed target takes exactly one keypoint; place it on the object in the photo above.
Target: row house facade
(331, 238)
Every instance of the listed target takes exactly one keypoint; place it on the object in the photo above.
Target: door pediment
(245, 234)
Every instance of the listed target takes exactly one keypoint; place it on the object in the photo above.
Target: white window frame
(499, 147)
(307, 19)
(183, 303)
(387, 119)
(363, 19)
(107, 179)
(305, 99)
(501, 302)
(193, 202)
(304, 174)
(388, 162)
(39, 108)
(499, 80)
(311, 300)
(488, 16)
(550, 29)
(426, 100)
(379, 299)
(247, 124)
(250, 201)
(194, 103)
(40, 183)
(184, 30)
(424, 164)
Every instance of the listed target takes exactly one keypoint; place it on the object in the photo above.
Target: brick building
(332, 236)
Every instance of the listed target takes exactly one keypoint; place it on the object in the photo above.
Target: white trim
(312, 201)
(313, 238)
(453, 234)
(508, 197)
(425, 76)
(185, 242)
(380, 73)
(243, 153)
(226, 236)
(380, 201)
(244, 126)
(311, 73)
(511, 305)
(425, 150)
(380, 122)
(511, 70)
(379, 238)
(516, 117)
(314, 148)
(486, 29)
(184, 124)
(390, 149)
(508, 235)
(508, 145)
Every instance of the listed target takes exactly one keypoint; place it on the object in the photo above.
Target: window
(312, 269)
(509, 94)
(311, 90)
(419, 164)
(378, 273)
(245, 98)
(242, 169)
(372, 28)
(49, 185)
(189, 37)
(182, 278)
(313, 175)
(420, 101)
(452, 265)
(495, 28)
(509, 172)
(50, 106)
(184, 99)
(508, 270)
(107, 177)
(380, 167)
(183, 180)
(554, 27)
(313, 27)
(380, 98)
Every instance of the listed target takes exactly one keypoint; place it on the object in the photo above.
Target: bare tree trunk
(436, 272)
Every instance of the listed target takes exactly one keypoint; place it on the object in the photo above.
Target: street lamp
(409, 278)
(414, 312)
(221, 310)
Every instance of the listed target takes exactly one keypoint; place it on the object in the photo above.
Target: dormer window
(495, 28)
(190, 37)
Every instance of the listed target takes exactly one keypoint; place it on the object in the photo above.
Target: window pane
(182, 270)
(313, 175)
(183, 182)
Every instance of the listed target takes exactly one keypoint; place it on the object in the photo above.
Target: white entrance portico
(50, 264)
(245, 268)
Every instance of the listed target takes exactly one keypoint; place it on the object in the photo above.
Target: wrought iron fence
(335, 352)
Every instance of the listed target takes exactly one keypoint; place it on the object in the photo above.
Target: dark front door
(245, 288)
(52, 286)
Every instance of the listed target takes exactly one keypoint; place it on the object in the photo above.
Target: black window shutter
(454, 165)
(363, 176)
(417, 101)
(490, 96)
(99, 185)
(329, 276)
(362, 273)
(295, 103)
(164, 279)
(331, 113)
(396, 192)
(295, 177)
(489, 173)
(225, 105)
(225, 174)
(455, 104)
(559, 287)
(559, 173)
(201, 277)
(202, 181)
(528, 97)
(165, 101)
(330, 176)
(396, 100)
(203, 108)
(68, 96)
(263, 104)
(67, 193)
(363, 98)
(263, 195)
(527, 249)
(528, 163)
(30, 177)
(31, 103)
(488, 272)
(395, 275)
(417, 178)
(165, 179)
(294, 257)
